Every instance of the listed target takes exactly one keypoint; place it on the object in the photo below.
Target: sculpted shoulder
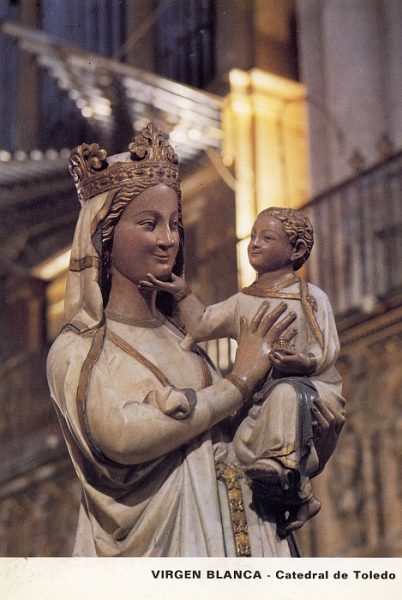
(317, 293)
(67, 348)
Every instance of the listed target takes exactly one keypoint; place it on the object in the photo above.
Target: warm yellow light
(87, 112)
(245, 270)
(101, 107)
(238, 78)
(56, 310)
(276, 86)
(52, 267)
(266, 138)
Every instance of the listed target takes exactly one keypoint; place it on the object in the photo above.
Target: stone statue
(274, 444)
(144, 419)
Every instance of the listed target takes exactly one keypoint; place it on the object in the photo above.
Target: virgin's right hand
(176, 285)
(252, 361)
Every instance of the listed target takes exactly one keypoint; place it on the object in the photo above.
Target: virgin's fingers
(243, 325)
(289, 334)
(269, 318)
(280, 326)
(160, 285)
(335, 420)
(327, 413)
(147, 284)
(322, 423)
(255, 321)
(339, 423)
(339, 427)
(153, 279)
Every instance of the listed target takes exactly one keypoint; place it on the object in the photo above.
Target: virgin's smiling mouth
(162, 257)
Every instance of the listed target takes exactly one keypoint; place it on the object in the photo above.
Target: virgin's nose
(165, 239)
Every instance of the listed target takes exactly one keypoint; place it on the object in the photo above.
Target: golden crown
(151, 158)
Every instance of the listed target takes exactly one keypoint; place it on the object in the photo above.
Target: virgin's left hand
(327, 426)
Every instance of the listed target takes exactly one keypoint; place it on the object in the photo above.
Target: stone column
(343, 66)
(28, 85)
(234, 37)
(312, 74)
(140, 23)
(353, 71)
(393, 88)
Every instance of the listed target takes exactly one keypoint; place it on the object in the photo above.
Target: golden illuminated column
(265, 134)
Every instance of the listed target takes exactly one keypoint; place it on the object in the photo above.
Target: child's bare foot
(299, 515)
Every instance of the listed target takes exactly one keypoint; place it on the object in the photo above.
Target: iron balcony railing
(357, 258)
(357, 255)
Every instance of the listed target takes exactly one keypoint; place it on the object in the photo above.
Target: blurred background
(293, 103)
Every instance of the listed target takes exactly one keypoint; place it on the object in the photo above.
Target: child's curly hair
(297, 227)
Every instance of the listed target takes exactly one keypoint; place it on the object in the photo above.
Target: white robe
(272, 428)
(163, 499)
(222, 320)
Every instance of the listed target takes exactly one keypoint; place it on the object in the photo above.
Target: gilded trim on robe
(128, 349)
(79, 264)
(308, 302)
(231, 475)
(82, 393)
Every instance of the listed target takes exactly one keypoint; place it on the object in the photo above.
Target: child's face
(269, 248)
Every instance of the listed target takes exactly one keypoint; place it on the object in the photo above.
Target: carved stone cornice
(367, 332)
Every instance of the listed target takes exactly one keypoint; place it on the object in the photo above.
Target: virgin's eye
(267, 238)
(148, 224)
(174, 224)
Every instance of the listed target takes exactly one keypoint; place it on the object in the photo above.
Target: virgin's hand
(255, 343)
(176, 286)
(326, 427)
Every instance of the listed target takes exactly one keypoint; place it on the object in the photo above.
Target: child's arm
(201, 322)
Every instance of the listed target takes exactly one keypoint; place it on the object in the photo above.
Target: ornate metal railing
(112, 98)
(357, 256)
(358, 232)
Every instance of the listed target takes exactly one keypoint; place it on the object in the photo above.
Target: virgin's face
(146, 238)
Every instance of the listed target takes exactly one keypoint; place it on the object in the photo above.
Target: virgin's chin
(165, 276)
(164, 273)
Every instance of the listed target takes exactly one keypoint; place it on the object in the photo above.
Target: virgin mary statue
(144, 420)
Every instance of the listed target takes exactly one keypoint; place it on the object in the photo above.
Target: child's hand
(176, 286)
(289, 361)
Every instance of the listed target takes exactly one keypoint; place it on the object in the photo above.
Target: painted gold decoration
(280, 344)
(85, 161)
(152, 145)
(151, 159)
(231, 475)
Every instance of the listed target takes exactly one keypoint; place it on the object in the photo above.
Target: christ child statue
(275, 443)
